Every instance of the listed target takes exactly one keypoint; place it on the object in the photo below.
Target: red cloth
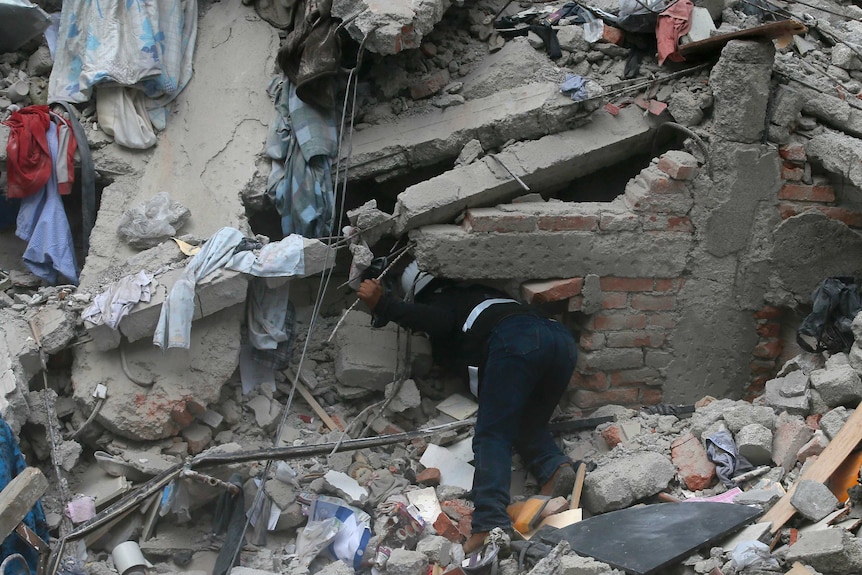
(28, 159)
(672, 24)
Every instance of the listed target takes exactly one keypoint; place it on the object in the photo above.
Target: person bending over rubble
(519, 364)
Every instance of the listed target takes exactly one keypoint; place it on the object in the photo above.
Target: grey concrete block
(739, 108)
(832, 551)
(839, 153)
(837, 386)
(773, 397)
(813, 500)
(406, 562)
(55, 328)
(621, 482)
(367, 357)
(833, 420)
(754, 442)
(744, 413)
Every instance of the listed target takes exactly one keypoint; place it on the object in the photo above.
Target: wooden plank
(828, 461)
(771, 31)
(19, 497)
(580, 474)
(318, 409)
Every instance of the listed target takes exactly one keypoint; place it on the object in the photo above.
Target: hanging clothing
(149, 45)
(302, 142)
(28, 159)
(673, 24)
(11, 464)
(42, 223)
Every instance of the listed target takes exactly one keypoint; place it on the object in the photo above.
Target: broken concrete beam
(221, 289)
(832, 111)
(523, 113)
(367, 357)
(839, 153)
(621, 482)
(18, 497)
(739, 108)
(389, 27)
(542, 164)
(552, 240)
(182, 383)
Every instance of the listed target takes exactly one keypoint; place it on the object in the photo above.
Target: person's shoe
(475, 542)
(561, 482)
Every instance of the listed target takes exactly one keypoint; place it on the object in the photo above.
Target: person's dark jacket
(441, 310)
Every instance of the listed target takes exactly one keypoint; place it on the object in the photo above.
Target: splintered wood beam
(821, 470)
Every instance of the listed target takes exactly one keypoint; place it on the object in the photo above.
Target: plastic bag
(149, 224)
(752, 553)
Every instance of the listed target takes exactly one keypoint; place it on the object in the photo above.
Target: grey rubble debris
(452, 44)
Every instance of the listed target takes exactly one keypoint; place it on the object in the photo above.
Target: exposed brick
(769, 312)
(792, 172)
(669, 285)
(569, 223)
(613, 35)
(614, 222)
(769, 329)
(606, 322)
(794, 152)
(850, 217)
(813, 421)
(195, 407)
(639, 198)
(658, 182)
(614, 300)
(678, 165)
(589, 399)
(182, 416)
(651, 396)
(613, 435)
(668, 223)
(430, 476)
(465, 526)
(630, 377)
(770, 349)
(635, 339)
(492, 220)
(690, 458)
(663, 320)
(807, 193)
(762, 366)
(590, 341)
(590, 381)
(653, 302)
(551, 290)
(612, 283)
(457, 508)
(576, 303)
(445, 528)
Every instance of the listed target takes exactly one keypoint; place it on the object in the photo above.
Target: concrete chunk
(522, 113)
(773, 397)
(813, 500)
(543, 163)
(833, 420)
(754, 442)
(831, 551)
(367, 356)
(791, 433)
(621, 482)
(840, 385)
(839, 153)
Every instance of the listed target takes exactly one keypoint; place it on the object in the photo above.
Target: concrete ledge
(455, 253)
(219, 290)
(522, 113)
(541, 164)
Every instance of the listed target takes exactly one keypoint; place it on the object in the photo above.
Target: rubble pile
(230, 468)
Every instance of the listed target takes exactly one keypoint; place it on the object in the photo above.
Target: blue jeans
(530, 362)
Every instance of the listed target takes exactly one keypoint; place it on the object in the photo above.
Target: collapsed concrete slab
(390, 27)
(541, 164)
(181, 382)
(522, 113)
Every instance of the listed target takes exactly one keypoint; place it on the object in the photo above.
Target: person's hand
(370, 292)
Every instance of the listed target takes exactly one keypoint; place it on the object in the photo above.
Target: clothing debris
(43, 224)
(673, 23)
(721, 450)
(115, 303)
(575, 87)
(28, 157)
(301, 143)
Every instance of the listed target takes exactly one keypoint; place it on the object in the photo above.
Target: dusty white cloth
(175, 321)
(115, 303)
(122, 113)
(275, 259)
